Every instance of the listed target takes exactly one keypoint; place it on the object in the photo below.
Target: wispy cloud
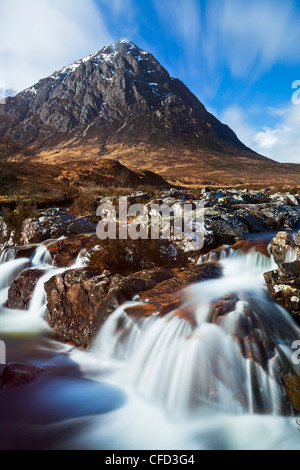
(250, 37)
(280, 142)
(39, 36)
(182, 18)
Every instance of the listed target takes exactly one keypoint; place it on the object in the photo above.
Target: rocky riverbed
(80, 300)
(247, 234)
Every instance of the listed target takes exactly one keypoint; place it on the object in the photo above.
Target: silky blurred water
(158, 383)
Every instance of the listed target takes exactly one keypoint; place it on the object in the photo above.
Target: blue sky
(240, 57)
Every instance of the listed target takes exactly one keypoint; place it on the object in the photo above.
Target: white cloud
(235, 118)
(250, 37)
(38, 37)
(280, 142)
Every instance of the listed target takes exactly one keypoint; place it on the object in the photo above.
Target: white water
(8, 254)
(183, 378)
(184, 368)
(33, 319)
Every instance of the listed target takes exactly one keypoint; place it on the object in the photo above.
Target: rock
(64, 252)
(21, 290)
(170, 294)
(79, 301)
(138, 197)
(280, 246)
(251, 219)
(258, 327)
(245, 246)
(284, 286)
(17, 374)
(54, 225)
(17, 252)
(215, 255)
(223, 228)
(287, 198)
(261, 217)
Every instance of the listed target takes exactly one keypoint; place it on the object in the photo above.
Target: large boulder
(170, 295)
(54, 224)
(21, 290)
(80, 301)
(284, 286)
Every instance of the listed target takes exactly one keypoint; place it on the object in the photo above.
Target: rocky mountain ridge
(119, 96)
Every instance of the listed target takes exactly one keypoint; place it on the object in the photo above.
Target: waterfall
(217, 364)
(8, 254)
(41, 256)
(10, 270)
(291, 255)
(231, 362)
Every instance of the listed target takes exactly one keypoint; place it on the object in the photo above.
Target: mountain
(120, 103)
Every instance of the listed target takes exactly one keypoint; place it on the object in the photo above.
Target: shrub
(84, 205)
(14, 219)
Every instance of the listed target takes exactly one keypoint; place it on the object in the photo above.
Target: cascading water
(8, 254)
(230, 361)
(213, 377)
(10, 269)
(41, 256)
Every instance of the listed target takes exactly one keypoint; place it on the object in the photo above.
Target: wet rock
(215, 255)
(79, 301)
(52, 225)
(64, 252)
(170, 294)
(17, 374)
(246, 246)
(255, 324)
(280, 246)
(17, 252)
(21, 290)
(284, 286)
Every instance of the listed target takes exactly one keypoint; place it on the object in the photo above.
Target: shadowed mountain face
(121, 103)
